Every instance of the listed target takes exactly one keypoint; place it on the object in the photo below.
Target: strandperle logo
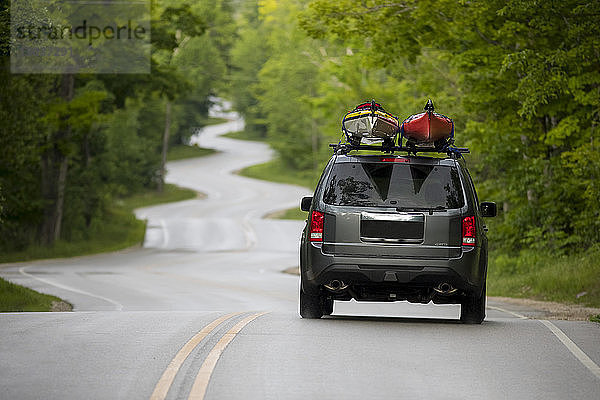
(50, 36)
(83, 31)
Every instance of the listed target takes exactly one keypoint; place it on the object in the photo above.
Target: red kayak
(427, 127)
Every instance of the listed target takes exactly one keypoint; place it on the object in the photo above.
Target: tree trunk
(165, 147)
(60, 197)
(48, 193)
(54, 171)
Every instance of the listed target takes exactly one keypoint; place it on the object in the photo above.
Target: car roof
(346, 158)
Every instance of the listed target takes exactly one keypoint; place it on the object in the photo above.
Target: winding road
(203, 310)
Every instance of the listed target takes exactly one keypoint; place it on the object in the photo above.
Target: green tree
(21, 107)
(73, 142)
(248, 55)
(176, 24)
(527, 76)
(277, 70)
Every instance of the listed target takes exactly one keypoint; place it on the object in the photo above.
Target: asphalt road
(204, 311)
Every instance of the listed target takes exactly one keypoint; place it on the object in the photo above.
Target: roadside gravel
(547, 309)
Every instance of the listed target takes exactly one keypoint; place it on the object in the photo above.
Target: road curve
(203, 311)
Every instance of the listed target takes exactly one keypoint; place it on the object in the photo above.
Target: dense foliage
(72, 143)
(521, 78)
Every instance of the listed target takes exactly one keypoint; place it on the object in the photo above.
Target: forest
(74, 143)
(520, 78)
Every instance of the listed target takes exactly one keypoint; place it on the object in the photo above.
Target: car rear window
(394, 185)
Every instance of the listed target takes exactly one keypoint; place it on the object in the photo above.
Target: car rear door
(393, 207)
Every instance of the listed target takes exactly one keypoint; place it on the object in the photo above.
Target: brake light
(469, 232)
(402, 160)
(316, 226)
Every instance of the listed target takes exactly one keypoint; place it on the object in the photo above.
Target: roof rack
(345, 148)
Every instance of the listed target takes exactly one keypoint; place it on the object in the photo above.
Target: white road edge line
(165, 233)
(520, 316)
(119, 306)
(572, 347)
(249, 232)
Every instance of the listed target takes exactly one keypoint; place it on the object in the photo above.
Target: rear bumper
(465, 272)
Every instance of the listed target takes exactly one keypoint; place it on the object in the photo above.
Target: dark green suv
(390, 228)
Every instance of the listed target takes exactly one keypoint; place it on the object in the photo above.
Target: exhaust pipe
(445, 288)
(336, 286)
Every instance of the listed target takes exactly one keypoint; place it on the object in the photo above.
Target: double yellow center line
(203, 377)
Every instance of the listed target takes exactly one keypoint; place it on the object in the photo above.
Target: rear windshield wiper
(429, 209)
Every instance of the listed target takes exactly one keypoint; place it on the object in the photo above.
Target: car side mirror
(305, 203)
(488, 209)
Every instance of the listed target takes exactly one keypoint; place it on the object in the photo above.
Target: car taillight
(469, 232)
(316, 226)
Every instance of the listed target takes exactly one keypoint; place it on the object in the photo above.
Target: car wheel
(472, 308)
(310, 306)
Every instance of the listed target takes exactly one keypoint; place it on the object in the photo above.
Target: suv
(390, 228)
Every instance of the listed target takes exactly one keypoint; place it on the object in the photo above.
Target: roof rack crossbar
(344, 148)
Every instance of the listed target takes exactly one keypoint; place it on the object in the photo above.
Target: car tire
(310, 306)
(472, 308)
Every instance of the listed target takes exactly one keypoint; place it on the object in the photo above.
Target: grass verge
(292, 213)
(15, 298)
(276, 171)
(170, 194)
(214, 121)
(529, 274)
(118, 230)
(183, 151)
(246, 135)
(595, 318)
